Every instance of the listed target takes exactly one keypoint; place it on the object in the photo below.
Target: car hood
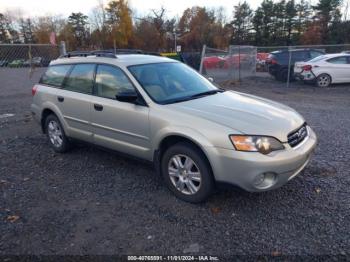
(244, 113)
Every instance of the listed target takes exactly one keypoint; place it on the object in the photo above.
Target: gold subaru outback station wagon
(163, 111)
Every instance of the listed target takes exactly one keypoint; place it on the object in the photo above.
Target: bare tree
(98, 16)
(158, 21)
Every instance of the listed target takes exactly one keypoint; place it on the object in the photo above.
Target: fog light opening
(265, 180)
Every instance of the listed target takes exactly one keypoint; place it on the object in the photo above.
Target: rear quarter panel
(44, 98)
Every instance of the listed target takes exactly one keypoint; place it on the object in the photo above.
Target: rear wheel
(56, 135)
(323, 80)
(187, 173)
(283, 75)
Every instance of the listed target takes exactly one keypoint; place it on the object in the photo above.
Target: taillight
(34, 88)
(272, 61)
(307, 67)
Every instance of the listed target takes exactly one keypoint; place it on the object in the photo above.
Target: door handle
(98, 107)
(60, 99)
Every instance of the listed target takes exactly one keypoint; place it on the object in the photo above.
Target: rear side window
(80, 79)
(338, 60)
(55, 75)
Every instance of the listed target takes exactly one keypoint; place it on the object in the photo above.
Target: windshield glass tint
(170, 82)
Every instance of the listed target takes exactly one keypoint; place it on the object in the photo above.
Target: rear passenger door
(50, 84)
(118, 125)
(74, 100)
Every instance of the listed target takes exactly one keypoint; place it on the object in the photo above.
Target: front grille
(298, 136)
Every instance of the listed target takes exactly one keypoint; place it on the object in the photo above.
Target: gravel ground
(90, 201)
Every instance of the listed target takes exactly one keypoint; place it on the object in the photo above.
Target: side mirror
(127, 96)
(211, 79)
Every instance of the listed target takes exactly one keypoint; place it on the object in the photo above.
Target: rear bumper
(272, 69)
(36, 113)
(305, 76)
(244, 168)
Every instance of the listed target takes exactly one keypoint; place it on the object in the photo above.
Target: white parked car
(324, 70)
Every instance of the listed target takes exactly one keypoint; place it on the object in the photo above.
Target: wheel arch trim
(52, 107)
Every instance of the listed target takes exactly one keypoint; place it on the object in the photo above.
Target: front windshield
(170, 82)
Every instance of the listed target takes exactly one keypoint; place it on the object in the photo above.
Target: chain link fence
(282, 61)
(27, 55)
(234, 64)
(274, 63)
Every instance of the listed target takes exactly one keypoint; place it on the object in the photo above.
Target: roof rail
(111, 53)
(101, 53)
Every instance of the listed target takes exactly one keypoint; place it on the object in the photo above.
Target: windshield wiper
(186, 98)
(207, 93)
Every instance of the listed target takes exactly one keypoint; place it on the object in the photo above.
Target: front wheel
(187, 173)
(323, 80)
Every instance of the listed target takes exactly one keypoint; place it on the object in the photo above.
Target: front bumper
(243, 168)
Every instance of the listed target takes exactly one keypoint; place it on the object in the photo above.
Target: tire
(283, 75)
(323, 80)
(56, 135)
(195, 183)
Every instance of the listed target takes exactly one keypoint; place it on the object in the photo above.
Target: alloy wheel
(323, 81)
(55, 133)
(184, 174)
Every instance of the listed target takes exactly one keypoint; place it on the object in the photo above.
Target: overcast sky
(65, 7)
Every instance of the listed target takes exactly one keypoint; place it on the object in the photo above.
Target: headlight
(262, 144)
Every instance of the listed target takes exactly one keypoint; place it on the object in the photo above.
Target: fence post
(202, 58)
(289, 64)
(230, 68)
(239, 64)
(30, 54)
(63, 48)
(30, 58)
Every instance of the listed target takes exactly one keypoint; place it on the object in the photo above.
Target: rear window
(299, 55)
(314, 54)
(55, 75)
(319, 58)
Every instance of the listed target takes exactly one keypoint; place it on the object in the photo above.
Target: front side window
(55, 75)
(110, 81)
(81, 79)
(338, 60)
(171, 82)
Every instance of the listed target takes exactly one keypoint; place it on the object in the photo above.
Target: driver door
(121, 126)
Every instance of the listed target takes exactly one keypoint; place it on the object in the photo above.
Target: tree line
(285, 22)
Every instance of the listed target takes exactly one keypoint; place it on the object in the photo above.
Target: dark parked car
(36, 61)
(278, 61)
(4, 63)
(16, 63)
